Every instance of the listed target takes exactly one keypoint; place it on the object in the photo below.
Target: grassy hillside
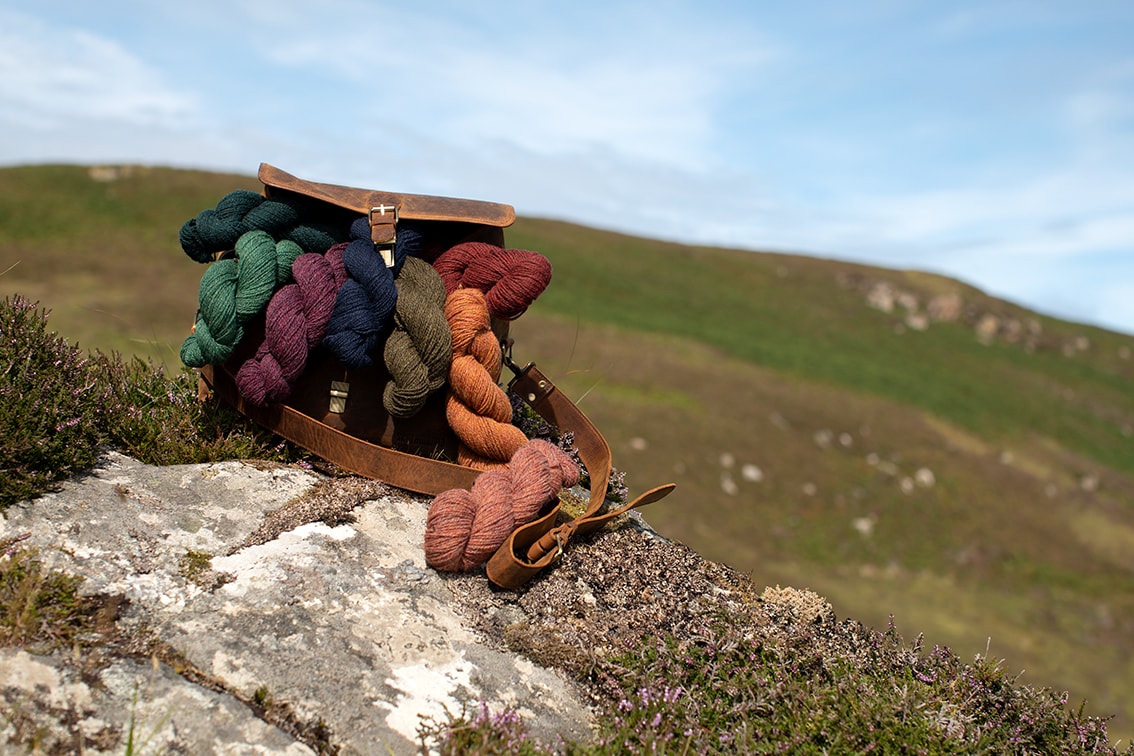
(901, 443)
(99, 249)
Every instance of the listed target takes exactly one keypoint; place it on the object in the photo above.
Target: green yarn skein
(233, 290)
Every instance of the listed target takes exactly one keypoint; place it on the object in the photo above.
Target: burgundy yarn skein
(295, 323)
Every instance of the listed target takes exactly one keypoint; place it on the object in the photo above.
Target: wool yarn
(511, 279)
(241, 211)
(477, 408)
(232, 291)
(365, 303)
(465, 528)
(294, 324)
(419, 350)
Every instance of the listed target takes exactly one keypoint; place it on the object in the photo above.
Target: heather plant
(724, 693)
(52, 407)
(482, 732)
(159, 419)
(60, 408)
(740, 689)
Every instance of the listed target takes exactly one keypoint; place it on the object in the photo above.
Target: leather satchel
(337, 412)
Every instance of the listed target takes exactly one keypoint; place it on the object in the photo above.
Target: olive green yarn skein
(418, 352)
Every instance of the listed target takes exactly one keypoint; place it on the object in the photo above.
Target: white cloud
(626, 81)
(49, 76)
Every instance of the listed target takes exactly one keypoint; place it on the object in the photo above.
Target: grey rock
(344, 623)
(51, 706)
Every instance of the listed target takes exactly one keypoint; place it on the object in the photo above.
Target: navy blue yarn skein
(364, 307)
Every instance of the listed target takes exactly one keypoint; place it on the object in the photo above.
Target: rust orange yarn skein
(478, 410)
(465, 528)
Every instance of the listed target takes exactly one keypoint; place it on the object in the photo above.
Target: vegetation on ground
(795, 686)
(733, 688)
(60, 408)
(41, 609)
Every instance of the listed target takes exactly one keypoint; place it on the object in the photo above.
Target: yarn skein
(232, 291)
(465, 528)
(241, 211)
(419, 350)
(294, 324)
(511, 279)
(365, 303)
(477, 408)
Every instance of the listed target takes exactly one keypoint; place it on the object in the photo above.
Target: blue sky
(992, 141)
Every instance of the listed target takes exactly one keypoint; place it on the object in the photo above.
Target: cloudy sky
(991, 140)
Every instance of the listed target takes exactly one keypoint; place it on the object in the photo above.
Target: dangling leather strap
(530, 548)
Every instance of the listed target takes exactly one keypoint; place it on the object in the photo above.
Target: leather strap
(411, 206)
(534, 546)
(421, 475)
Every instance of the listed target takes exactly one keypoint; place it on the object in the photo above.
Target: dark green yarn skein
(235, 290)
(241, 211)
(216, 230)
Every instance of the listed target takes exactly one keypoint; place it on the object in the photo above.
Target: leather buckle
(384, 231)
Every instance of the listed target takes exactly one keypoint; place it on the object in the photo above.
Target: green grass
(740, 686)
(789, 314)
(40, 609)
(104, 255)
(959, 560)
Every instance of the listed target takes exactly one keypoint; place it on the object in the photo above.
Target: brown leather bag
(361, 437)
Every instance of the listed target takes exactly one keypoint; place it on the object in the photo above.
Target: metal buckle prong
(382, 210)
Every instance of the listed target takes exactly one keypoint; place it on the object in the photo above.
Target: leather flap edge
(411, 206)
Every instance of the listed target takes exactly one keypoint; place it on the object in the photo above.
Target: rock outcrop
(259, 610)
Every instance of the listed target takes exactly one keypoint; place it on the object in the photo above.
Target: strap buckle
(384, 231)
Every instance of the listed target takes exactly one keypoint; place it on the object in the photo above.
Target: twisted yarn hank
(477, 408)
(465, 528)
(234, 290)
(365, 303)
(419, 350)
(242, 211)
(294, 324)
(511, 279)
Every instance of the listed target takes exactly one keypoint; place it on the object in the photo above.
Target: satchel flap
(411, 206)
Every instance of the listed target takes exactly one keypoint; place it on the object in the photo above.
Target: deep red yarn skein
(511, 279)
(465, 528)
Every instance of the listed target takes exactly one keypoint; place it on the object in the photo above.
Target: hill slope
(899, 442)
